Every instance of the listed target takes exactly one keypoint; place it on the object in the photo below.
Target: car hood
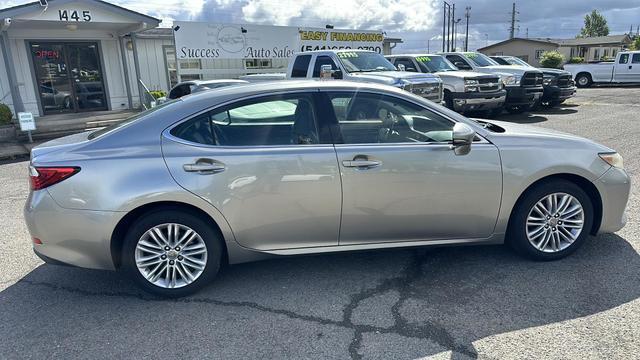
(509, 69)
(463, 74)
(535, 135)
(555, 72)
(391, 77)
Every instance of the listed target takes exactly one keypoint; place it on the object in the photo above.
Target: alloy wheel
(171, 255)
(555, 222)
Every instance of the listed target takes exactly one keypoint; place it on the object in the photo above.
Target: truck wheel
(583, 80)
(448, 100)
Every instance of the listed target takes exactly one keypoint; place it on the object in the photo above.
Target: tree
(635, 45)
(551, 59)
(595, 24)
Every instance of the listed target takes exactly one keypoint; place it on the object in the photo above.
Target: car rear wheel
(172, 253)
(583, 80)
(551, 221)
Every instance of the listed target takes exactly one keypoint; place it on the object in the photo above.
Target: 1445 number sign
(74, 15)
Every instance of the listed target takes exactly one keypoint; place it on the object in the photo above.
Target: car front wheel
(172, 253)
(552, 220)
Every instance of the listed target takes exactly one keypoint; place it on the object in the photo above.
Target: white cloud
(389, 15)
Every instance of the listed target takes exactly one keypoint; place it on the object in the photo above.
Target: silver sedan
(292, 168)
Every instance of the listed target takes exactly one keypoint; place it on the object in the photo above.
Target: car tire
(583, 80)
(549, 237)
(180, 272)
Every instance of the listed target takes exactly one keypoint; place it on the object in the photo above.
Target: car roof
(413, 55)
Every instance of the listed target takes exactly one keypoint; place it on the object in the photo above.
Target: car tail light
(42, 177)
(36, 241)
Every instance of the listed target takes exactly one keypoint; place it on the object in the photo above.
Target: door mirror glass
(463, 136)
(337, 74)
(401, 67)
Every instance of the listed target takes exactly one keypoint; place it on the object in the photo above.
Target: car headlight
(471, 85)
(613, 159)
(511, 80)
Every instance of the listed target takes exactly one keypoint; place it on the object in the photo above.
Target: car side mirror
(337, 74)
(462, 138)
(401, 67)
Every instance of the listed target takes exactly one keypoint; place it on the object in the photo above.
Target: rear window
(300, 66)
(129, 120)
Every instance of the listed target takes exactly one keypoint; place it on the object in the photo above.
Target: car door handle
(361, 163)
(204, 167)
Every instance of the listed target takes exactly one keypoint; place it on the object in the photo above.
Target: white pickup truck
(463, 90)
(625, 69)
(356, 65)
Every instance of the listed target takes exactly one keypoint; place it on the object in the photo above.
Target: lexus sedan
(289, 168)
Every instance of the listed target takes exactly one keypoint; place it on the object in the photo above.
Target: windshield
(434, 63)
(481, 60)
(517, 61)
(361, 61)
(129, 120)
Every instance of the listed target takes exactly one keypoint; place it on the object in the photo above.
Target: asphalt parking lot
(445, 303)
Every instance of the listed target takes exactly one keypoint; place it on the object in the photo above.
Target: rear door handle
(361, 163)
(204, 166)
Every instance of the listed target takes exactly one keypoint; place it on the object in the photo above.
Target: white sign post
(27, 123)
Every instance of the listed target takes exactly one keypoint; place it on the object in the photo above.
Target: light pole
(467, 14)
(486, 39)
(445, 23)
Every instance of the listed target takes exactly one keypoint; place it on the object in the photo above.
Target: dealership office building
(75, 60)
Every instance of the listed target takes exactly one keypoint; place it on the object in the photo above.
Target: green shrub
(575, 60)
(158, 93)
(606, 58)
(5, 115)
(551, 59)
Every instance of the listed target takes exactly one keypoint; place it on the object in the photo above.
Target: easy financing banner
(196, 40)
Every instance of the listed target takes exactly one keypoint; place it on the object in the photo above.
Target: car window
(635, 59)
(300, 66)
(408, 64)
(623, 58)
(275, 120)
(459, 62)
(366, 118)
(323, 60)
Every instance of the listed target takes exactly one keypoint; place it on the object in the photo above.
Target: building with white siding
(75, 60)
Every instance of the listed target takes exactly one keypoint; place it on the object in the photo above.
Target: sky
(418, 23)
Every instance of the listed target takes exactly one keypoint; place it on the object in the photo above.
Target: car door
(401, 181)
(267, 164)
(623, 69)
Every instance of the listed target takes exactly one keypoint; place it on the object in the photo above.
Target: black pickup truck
(558, 84)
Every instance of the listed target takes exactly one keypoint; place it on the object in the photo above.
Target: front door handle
(366, 164)
(204, 166)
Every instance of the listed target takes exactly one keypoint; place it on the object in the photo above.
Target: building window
(189, 64)
(606, 53)
(258, 64)
(596, 54)
(539, 54)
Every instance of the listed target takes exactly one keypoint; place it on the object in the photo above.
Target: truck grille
(565, 81)
(530, 79)
(430, 91)
(489, 84)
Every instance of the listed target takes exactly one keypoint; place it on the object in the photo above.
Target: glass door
(52, 76)
(69, 77)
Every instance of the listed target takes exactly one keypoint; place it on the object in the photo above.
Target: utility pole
(446, 22)
(453, 26)
(512, 29)
(467, 14)
(527, 33)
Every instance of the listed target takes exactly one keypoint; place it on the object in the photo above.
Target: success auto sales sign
(195, 40)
